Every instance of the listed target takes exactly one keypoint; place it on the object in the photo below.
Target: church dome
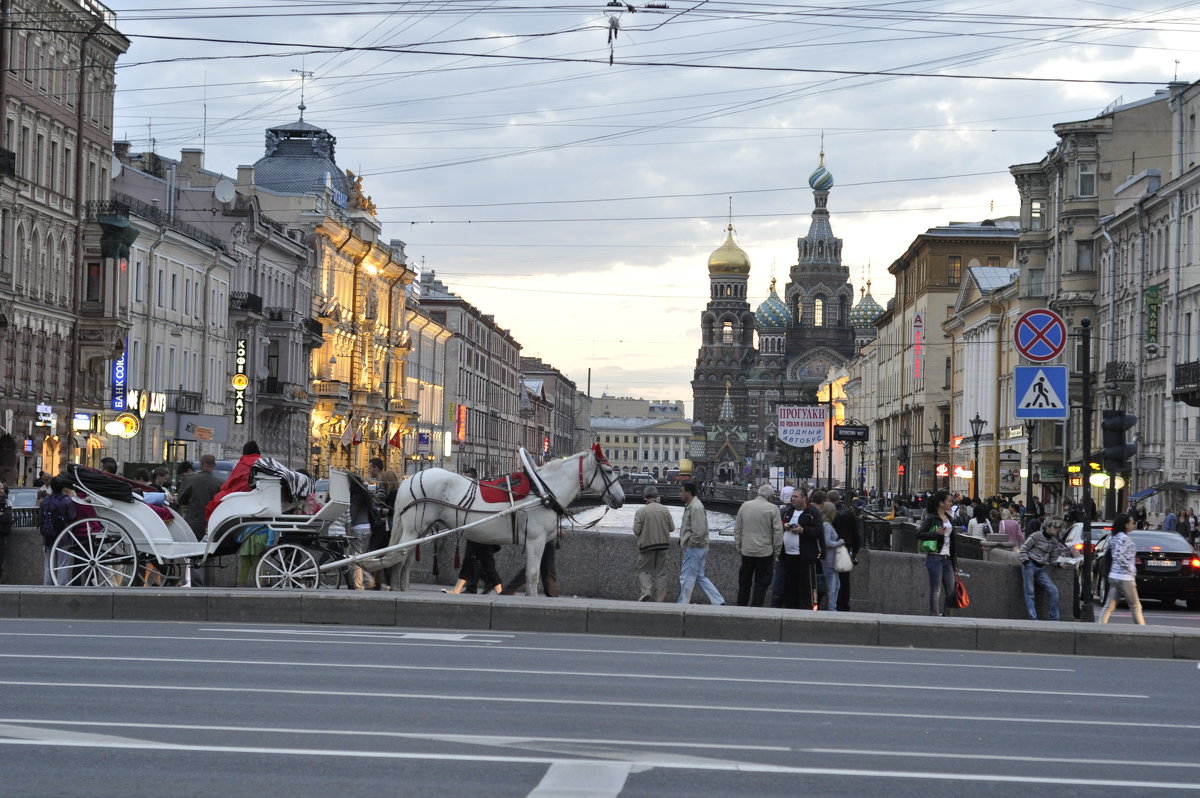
(821, 179)
(866, 311)
(729, 258)
(772, 313)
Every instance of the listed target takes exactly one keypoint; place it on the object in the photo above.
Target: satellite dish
(224, 191)
(116, 167)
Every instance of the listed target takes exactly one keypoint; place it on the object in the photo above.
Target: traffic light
(1116, 451)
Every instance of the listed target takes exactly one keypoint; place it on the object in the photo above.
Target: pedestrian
(6, 519)
(1170, 521)
(196, 491)
(785, 493)
(847, 526)
(693, 544)
(478, 559)
(652, 527)
(936, 540)
(1010, 527)
(1037, 555)
(832, 542)
(108, 465)
(979, 526)
(57, 513)
(1140, 516)
(1122, 574)
(239, 478)
(758, 537)
(803, 537)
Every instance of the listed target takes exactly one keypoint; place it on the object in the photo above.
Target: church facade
(751, 361)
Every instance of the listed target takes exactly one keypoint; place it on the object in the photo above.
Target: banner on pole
(802, 425)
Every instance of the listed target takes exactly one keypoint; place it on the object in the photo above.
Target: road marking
(643, 762)
(1158, 763)
(470, 637)
(575, 673)
(590, 651)
(579, 702)
(473, 739)
(583, 780)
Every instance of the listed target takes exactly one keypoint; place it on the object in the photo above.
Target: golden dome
(729, 258)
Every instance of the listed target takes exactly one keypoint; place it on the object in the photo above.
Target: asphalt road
(101, 709)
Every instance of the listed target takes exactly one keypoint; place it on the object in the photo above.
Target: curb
(428, 610)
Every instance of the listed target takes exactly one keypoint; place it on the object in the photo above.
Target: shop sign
(424, 442)
(81, 421)
(1153, 303)
(119, 383)
(46, 416)
(239, 382)
(918, 340)
(144, 402)
(460, 423)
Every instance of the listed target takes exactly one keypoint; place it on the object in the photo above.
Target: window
(818, 313)
(1037, 282)
(174, 289)
(91, 291)
(1087, 178)
(137, 281)
(947, 377)
(953, 269)
(727, 332)
(1037, 214)
(993, 260)
(1083, 256)
(161, 288)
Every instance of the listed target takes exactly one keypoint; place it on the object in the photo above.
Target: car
(24, 502)
(638, 479)
(1168, 567)
(1074, 536)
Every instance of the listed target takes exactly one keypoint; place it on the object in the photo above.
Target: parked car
(638, 479)
(1168, 567)
(24, 502)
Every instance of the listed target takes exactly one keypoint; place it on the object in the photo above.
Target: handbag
(842, 563)
(928, 547)
(961, 599)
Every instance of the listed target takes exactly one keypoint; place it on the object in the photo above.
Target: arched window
(818, 313)
(727, 333)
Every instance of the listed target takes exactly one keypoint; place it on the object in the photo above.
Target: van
(640, 479)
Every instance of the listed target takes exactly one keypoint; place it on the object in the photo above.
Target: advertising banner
(802, 425)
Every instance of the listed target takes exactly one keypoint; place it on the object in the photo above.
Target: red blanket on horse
(495, 491)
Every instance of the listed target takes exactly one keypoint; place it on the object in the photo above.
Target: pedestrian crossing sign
(1041, 392)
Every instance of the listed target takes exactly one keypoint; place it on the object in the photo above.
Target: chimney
(191, 160)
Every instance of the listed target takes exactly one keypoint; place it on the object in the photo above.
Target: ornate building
(801, 335)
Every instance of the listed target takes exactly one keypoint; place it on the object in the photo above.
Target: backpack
(55, 518)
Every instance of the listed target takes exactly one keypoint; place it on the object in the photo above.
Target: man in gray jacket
(652, 526)
(758, 535)
(693, 540)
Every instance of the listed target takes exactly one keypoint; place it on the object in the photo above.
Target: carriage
(124, 541)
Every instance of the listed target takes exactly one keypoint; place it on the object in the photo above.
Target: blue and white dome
(772, 313)
(821, 179)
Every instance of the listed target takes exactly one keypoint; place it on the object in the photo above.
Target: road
(102, 709)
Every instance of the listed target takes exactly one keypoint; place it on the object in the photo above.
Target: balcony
(368, 398)
(185, 401)
(330, 389)
(1187, 383)
(403, 406)
(1119, 375)
(273, 389)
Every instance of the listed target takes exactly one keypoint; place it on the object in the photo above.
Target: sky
(569, 168)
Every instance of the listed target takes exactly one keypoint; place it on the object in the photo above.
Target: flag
(357, 439)
(396, 439)
(348, 432)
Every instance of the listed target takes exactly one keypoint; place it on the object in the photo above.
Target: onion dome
(729, 258)
(772, 313)
(866, 311)
(821, 179)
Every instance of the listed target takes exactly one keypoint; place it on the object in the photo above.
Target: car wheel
(1193, 603)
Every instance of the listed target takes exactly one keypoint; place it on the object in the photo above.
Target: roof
(989, 278)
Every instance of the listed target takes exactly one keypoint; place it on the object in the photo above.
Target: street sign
(1187, 450)
(852, 433)
(943, 469)
(1040, 335)
(1041, 392)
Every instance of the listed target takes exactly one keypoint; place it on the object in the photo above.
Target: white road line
(669, 763)
(576, 673)
(1141, 763)
(577, 702)
(583, 780)
(472, 739)
(591, 651)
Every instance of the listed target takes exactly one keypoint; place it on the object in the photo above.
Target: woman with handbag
(935, 539)
(834, 546)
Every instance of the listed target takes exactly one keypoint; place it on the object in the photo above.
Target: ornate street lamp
(977, 425)
(905, 441)
(935, 436)
(881, 456)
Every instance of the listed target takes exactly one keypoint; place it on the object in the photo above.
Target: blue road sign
(1040, 334)
(1041, 392)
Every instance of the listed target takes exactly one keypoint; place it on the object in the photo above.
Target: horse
(439, 499)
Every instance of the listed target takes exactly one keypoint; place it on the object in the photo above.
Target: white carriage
(127, 542)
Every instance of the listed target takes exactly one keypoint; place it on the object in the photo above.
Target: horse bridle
(608, 483)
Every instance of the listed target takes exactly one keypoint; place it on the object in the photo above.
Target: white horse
(440, 499)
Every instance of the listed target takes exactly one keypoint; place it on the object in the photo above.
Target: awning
(1164, 486)
(1144, 493)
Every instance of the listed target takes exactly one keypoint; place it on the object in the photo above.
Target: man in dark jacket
(802, 553)
(198, 489)
(846, 526)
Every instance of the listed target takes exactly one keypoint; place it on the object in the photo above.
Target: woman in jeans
(935, 537)
(1122, 576)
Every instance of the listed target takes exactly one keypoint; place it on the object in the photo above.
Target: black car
(1168, 567)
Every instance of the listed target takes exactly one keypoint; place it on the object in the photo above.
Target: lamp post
(881, 456)
(935, 436)
(905, 440)
(1029, 430)
(977, 425)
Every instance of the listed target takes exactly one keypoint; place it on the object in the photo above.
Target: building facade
(60, 290)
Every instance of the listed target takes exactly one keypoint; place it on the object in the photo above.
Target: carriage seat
(496, 491)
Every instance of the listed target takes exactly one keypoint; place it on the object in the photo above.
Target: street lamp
(1029, 430)
(880, 454)
(977, 425)
(935, 436)
(905, 440)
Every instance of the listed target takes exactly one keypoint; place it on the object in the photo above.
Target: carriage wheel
(287, 567)
(93, 553)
